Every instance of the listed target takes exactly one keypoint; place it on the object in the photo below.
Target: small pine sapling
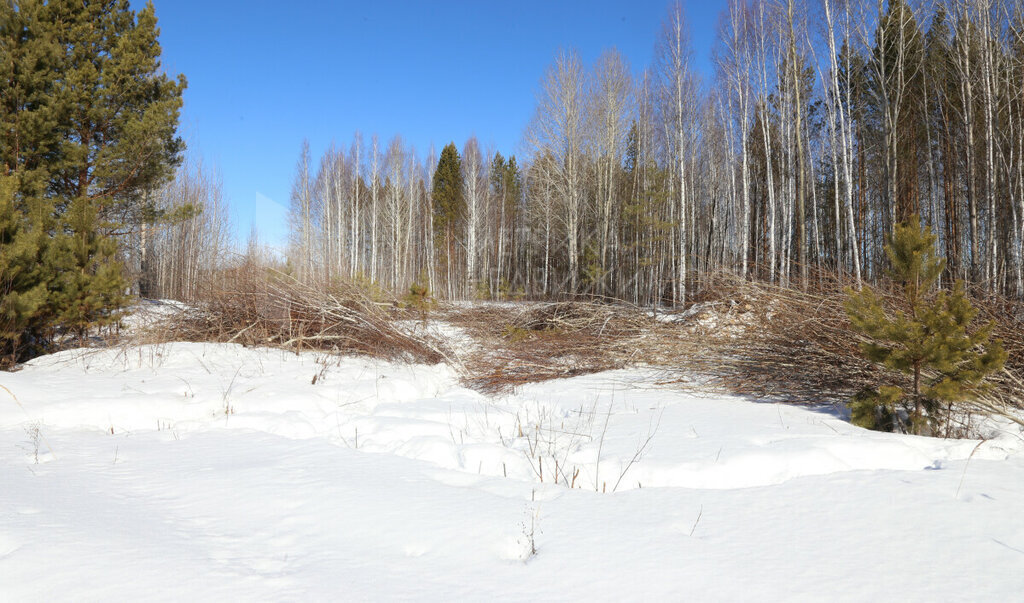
(931, 341)
(420, 299)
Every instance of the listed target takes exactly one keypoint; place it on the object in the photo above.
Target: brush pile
(774, 342)
(740, 337)
(798, 345)
(275, 310)
(537, 342)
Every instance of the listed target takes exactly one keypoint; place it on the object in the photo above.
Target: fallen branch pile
(740, 337)
(537, 342)
(277, 311)
(784, 344)
(800, 346)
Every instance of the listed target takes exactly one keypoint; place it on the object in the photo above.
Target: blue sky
(263, 75)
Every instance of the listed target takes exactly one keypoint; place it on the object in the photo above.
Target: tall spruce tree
(449, 205)
(931, 339)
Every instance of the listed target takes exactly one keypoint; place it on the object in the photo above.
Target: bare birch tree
(678, 98)
(301, 217)
(557, 130)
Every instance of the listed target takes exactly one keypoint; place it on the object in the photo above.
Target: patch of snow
(150, 313)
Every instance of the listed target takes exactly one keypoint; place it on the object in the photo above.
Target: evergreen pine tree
(29, 55)
(929, 341)
(88, 127)
(23, 292)
(89, 289)
(449, 204)
(419, 297)
(513, 184)
(513, 194)
(118, 113)
(29, 61)
(897, 89)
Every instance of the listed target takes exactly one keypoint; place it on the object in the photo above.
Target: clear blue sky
(263, 75)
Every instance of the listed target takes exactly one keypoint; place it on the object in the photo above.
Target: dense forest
(824, 125)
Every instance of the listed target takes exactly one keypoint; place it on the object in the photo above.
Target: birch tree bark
(678, 99)
(611, 112)
(557, 129)
(474, 179)
(301, 216)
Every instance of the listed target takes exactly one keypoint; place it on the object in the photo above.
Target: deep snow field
(217, 472)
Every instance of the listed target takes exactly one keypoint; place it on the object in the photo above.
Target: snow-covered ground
(216, 472)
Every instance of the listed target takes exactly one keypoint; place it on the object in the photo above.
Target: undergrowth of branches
(540, 341)
(260, 307)
(798, 344)
(739, 337)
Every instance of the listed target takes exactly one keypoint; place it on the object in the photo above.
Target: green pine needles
(449, 204)
(23, 291)
(419, 298)
(930, 339)
(88, 126)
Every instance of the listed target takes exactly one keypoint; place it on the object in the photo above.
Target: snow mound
(264, 474)
(610, 431)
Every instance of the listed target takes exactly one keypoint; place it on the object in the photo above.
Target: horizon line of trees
(826, 123)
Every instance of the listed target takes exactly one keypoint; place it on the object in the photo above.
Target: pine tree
(449, 205)
(513, 187)
(23, 292)
(419, 298)
(88, 128)
(897, 86)
(29, 56)
(89, 289)
(29, 62)
(118, 114)
(506, 188)
(930, 340)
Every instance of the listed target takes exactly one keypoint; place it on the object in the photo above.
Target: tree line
(824, 125)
